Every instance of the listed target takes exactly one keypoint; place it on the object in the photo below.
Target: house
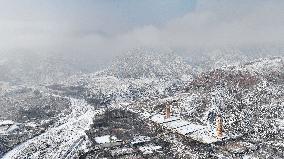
(140, 140)
(108, 141)
(5, 125)
(121, 151)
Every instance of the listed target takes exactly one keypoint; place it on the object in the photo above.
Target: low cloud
(212, 24)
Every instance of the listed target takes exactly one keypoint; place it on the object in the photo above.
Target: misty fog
(94, 32)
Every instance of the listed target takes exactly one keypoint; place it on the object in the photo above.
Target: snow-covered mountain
(148, 64)
(249, 95)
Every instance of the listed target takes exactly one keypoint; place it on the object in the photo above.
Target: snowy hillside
(127, 101)
(149, 64)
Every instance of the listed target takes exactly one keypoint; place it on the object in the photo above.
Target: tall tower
(219, 126)
(168, 111)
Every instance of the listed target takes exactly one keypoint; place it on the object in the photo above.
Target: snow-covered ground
(177, 124)
(60, 140)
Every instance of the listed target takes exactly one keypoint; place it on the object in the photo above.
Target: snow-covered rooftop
(121, 151)
(140, 139)
(6, 122)
(149, 149)
(105, 139)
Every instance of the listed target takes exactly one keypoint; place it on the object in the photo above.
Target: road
(62, 139)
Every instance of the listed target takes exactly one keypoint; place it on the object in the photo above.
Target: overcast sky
(105, 28)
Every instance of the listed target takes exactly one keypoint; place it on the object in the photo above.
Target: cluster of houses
(139, 145)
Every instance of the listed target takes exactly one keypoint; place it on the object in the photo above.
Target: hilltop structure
(219, 126)
(168, 111)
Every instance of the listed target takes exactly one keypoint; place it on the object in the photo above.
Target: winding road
(63, 140)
